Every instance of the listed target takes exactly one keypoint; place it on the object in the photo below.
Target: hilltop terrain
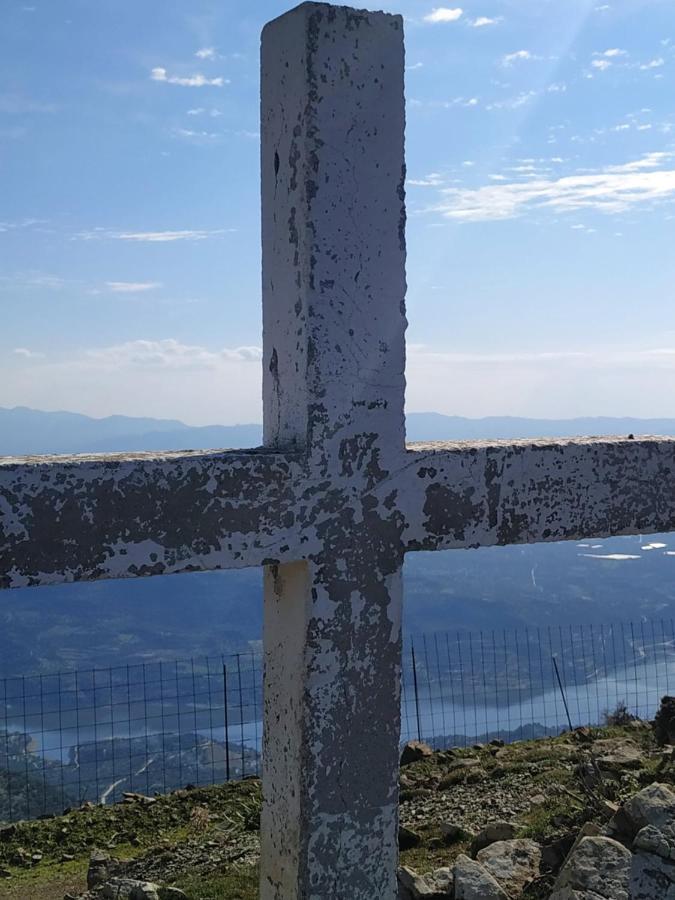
(531, 797)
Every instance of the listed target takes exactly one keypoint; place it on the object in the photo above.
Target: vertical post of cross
(333, 230)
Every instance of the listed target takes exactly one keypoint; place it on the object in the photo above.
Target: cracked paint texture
(334, 500)
(88, 517)
(333, 347)
(84, 518)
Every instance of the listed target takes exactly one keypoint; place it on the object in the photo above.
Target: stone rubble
(632, 857)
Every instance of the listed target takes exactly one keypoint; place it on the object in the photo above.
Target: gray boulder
(473, 882)
(652, 878)
(598, 867)
(650, 840)
(437, 885)
(618, 754)
(414, 751)
(99, 868)
(496, 831)
(130, 889)
(653, 805)
(513, 864)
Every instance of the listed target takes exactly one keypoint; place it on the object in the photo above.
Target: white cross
(333, 501)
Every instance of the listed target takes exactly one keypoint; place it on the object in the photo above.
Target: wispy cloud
(22, 223)
(433, 179)
(201, 111)
(17, 104)
(206, 53)
(600, 357)
(519, 56)
(483, 21)
(25, 353)
(151, 237)
(132, 287)
(654, 63)
(169, 354)
(198, 80)
(614, 189)
(515, 102)
(32, 280)
(443, 14)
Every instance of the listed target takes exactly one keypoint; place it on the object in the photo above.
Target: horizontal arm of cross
(124, 515)
(514, 492)
(90, 517)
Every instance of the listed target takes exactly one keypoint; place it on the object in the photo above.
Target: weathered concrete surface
(87, 517)
(470, 495)
(333, 349)
(335, 499)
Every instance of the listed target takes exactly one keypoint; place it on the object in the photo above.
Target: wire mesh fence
(92, 735)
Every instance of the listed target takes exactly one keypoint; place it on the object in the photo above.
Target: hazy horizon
(540, 194)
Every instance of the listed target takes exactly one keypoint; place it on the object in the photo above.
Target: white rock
(653, 805)
(599, 866)
(513, 863)
(473, 882)
(437, 885)
(130, 889)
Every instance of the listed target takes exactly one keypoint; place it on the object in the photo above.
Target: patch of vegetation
(240, 883)
(204, 840)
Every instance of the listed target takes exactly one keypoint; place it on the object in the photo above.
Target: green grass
(230, 813)
(240, 883)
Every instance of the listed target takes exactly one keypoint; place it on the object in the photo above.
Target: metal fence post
(417, 698)
(227, 743)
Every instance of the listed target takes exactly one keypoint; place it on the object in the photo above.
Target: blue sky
(541, 162)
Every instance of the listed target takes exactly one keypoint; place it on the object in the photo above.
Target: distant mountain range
(137, 620)
(29, 431)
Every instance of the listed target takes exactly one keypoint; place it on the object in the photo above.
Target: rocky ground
(589, 815)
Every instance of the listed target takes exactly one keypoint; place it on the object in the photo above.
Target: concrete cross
(333, 501)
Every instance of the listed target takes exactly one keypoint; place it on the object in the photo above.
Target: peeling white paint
(335, 499)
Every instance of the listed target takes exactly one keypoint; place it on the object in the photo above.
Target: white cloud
(601, 64)
(169, 378)
(550, 384)
(612, 53)
(519, 56)
(151, 237)
(482, 21)
(614, 189)
(197, 80)
(24, 353)
(131, 287)
(653, 64)
(433, 179)
(443, 14)
(33, 279)
(206, 53)
(169, 354)
(200, 111)
(191, 133)
(164, 378)
(513, 102)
